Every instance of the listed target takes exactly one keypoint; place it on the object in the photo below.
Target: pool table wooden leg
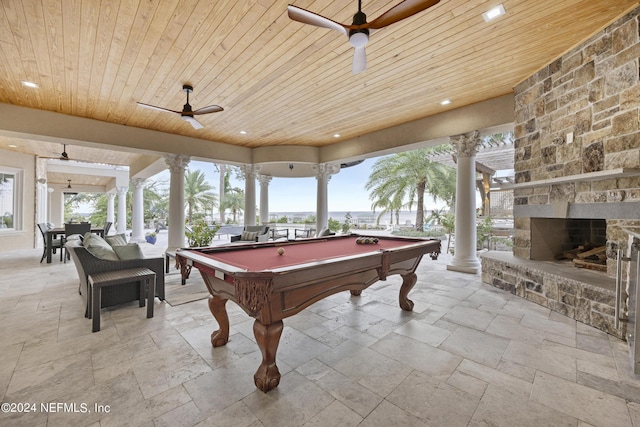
(408, 282)
(219, 311)
(267, 377)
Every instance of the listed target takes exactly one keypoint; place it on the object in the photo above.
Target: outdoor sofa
(87, 263)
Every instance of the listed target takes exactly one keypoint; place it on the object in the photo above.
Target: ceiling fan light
(359, 39)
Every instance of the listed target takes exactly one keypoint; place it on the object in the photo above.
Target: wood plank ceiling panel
(282, 81)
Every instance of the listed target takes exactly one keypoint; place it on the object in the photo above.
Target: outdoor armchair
(307, 231)
(252, 233)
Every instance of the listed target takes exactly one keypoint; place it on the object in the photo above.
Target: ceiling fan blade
(306, 17)
(196, 124)
(359, 60)
(401, 11)
(209, 109)
(153, 107)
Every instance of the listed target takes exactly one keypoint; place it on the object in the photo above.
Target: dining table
(52, 233)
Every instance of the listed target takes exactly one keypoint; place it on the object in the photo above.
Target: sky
(346, 190)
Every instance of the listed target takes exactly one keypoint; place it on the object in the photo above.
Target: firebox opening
(552, 237)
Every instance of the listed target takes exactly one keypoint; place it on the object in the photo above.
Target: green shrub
(334, 225)
(201, 234)
(346, 225)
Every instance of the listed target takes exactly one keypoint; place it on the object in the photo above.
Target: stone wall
(593, 93)
(586, 299)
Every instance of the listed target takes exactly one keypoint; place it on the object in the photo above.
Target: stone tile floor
(468, 355)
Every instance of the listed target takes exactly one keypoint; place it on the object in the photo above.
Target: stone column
(137, 211)
(41, 208)
(111, 197)
(177, 164)
(465, 259)
(41, 200)
(50, 191)
(122, 210)
(264, 198)
(42, 196)
(323, 175)
(250, 173)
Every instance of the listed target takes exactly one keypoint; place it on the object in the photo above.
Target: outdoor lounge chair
(307, 231)
(247, 235)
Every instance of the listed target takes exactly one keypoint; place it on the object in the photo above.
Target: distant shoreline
(356, 216)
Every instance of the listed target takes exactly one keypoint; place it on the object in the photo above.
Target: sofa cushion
(249, 235)
(98, 247)
(116, 239)
(259, 229)
(130, 251)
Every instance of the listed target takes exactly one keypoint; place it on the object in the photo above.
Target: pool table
(271, 286)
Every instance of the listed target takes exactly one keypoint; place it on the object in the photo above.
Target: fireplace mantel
(591, 176)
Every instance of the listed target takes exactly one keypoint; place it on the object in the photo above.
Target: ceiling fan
(358, 32)
(62, 156)
(187, 113)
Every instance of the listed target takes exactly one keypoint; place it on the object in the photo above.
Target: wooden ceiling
(280, 81)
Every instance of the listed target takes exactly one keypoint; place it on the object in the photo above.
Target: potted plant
(151, 237)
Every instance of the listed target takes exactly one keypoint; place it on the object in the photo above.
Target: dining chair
(55, 243)
(107, 227)
(75, 228)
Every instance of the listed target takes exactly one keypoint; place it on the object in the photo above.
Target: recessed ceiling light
(243, 132)
(493, 13)
(13, 146)
(445, 102)
(30, 84)
(336, 135)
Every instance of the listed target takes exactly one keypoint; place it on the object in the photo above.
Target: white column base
(471, 266)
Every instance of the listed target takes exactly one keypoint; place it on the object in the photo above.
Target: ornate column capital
(138, 182)
(177, 162)
(111, 196)
(264, 179)
(466, 145)
(250, 171)
(122, 190)
(325, 170)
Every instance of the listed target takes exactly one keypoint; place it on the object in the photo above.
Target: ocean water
(357, 217)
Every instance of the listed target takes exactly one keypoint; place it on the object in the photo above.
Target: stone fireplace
(577, 173)
(553, 237)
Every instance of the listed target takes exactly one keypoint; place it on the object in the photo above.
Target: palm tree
(234, 201)
(390, 206)
(224, 184)
(197, 193)
(154, 194)
(407, 176)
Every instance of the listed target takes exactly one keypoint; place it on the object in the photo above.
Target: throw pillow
(98, 247)
(116, 239)
(130, 251)
(249, 235)
(74, 237)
